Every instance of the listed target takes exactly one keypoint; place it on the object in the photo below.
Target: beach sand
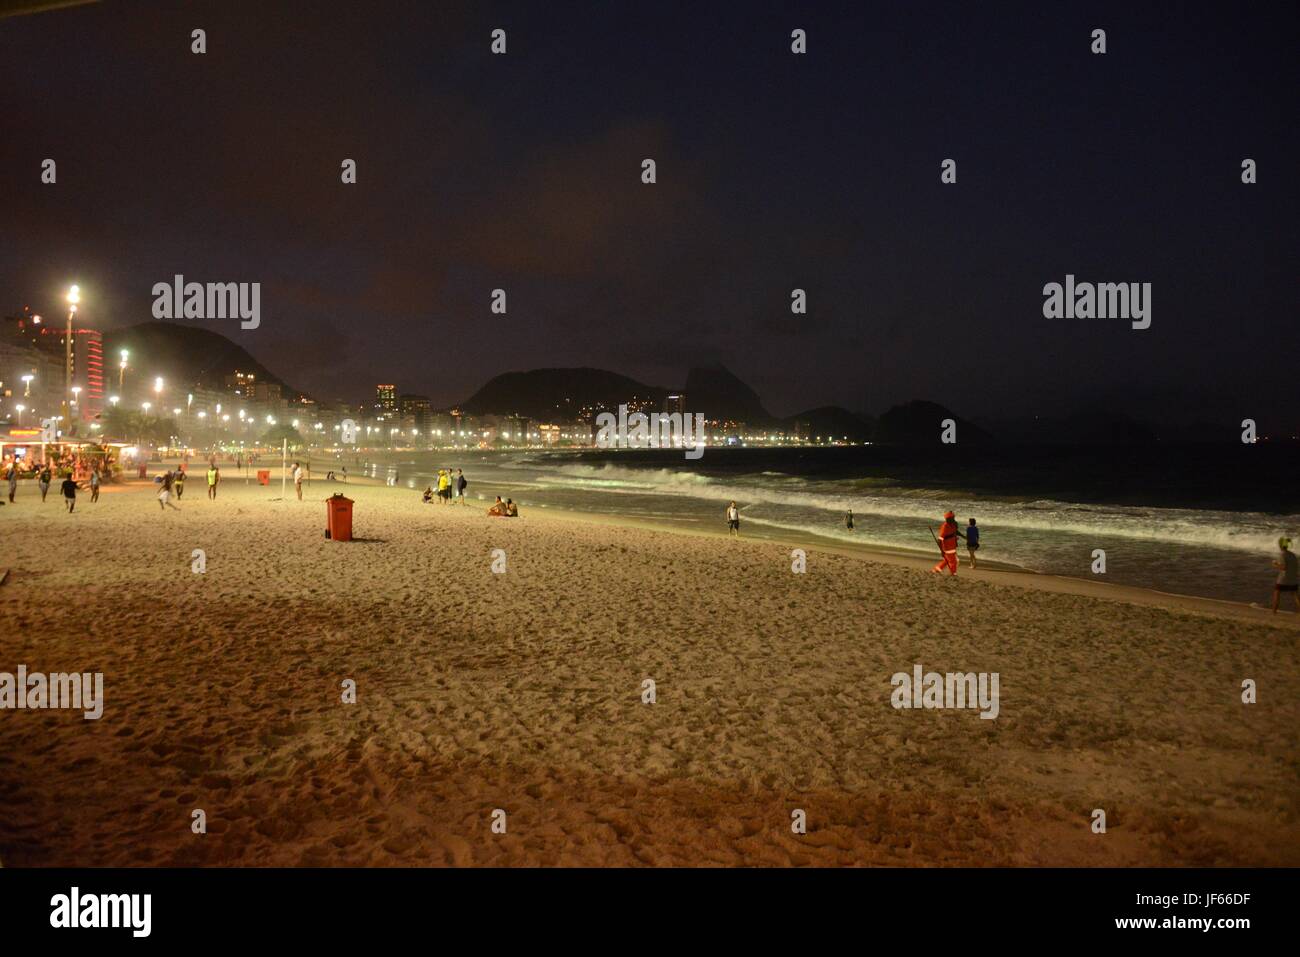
(523, 691)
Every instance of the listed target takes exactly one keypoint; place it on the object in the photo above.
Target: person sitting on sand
(512, 510)
(733, 519)
(498, 508)
(972, 541)
(1288, 576)
(428, 495)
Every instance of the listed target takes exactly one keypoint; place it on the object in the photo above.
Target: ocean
(1193, 520)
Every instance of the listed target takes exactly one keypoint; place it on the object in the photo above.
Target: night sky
(775, 171)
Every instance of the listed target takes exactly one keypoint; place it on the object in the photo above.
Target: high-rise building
(416, 412)
(87, 365)
(386, 401)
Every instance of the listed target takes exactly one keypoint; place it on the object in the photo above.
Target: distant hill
(918, 423)
(557, 393)
(196, 357)
(837, 422)
(719, 394)
(548, 393)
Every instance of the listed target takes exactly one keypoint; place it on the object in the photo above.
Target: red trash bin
(338, 518)
(263, 476)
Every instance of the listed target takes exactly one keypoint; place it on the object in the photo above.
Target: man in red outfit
(948, 535)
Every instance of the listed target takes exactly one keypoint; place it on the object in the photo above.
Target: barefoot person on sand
(214, 476)
(733, 519)
(972, 541)
(297, 479)
(165, 493)
(1288, 576)
(94, 484)
(69, 489)
(44, 480)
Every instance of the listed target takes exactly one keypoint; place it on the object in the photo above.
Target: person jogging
(69, 489)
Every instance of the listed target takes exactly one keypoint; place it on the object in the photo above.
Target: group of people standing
(450, 487)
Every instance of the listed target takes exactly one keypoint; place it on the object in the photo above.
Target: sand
(522, 691)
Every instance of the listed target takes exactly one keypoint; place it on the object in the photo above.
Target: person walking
(13, 479)
(1288, 576)
(94, 484)
(948, 535)
(297, 479)
(972, 541)
(44, 480)
(178, 482)
(733, 519)
(69, 489)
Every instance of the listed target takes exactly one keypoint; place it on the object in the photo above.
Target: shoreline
(990, 570)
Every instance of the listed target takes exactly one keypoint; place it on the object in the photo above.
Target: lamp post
(121, 369)
(27, 385)
(21, 408)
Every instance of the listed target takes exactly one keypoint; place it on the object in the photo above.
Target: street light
(158, 386)
(76, 394)
(146, 406)
(113, 400)
(121, 369)
(27, 385)
(21, 409)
